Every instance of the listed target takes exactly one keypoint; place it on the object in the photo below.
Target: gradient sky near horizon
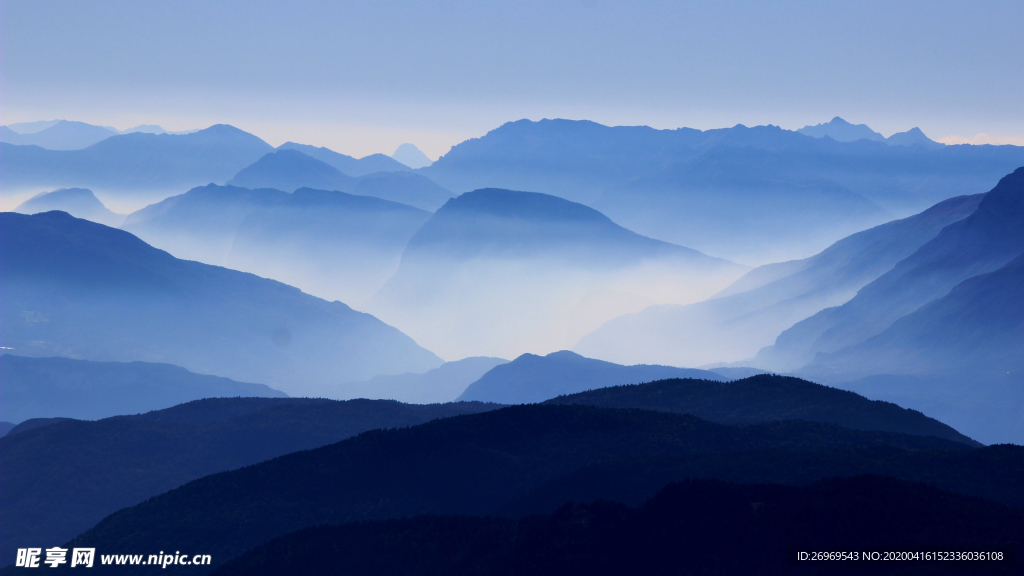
(363, 77)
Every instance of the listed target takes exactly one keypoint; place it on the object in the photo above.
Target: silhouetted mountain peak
(289, 169)
(411, 156)
(511, 204)
(841, 131)
(912, 137)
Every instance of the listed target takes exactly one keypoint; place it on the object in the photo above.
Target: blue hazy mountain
(6, 427)
(544, 269)
(290, 169)
(79, 202)
(749, 194)
(531, 378)
(328, 243)
(75, 288)
(442, 384)
(411, 156)
(842, 131)
(913, 137)
(347, 164)
(62, 135)
(983, 242)
(97, 468)
(753, 311)
(52, 387)
(137, 165)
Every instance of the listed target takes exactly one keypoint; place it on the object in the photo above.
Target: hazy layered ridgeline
(347, 164)
(60, 135)
(79, 202)
(754, 195)
(62, 387)
(290, 168)
(752, 312)
(131, 170)
(442, 384)
(532, 378)
(76, 288)
(500, 272)
(97, 468)
(330, 244)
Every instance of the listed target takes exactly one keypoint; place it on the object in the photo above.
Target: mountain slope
(462, 465)
(442, 384)
(543, 268)
(411, 156)
(79, 202)
(92, 469)
(75, 288)
(532, 378)
(138, 167)
(48, 387)
(982, 242)
(334, 245)
(766, 398)
(752, 312)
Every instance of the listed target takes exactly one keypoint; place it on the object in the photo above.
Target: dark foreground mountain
(766, 398)
(752, 312)
(749, 194)
(137, 166)
(463, 465)
(335, 245)
(541, 267)
(690, 527)
(289, 169)
(79, 202)
(75, 288)
(49, 387)
(6, 427)
(532, 378)
(63, 477)
(442, 384)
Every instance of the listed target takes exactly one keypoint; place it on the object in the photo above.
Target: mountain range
(348, 165)
(79, 289)
(465, 465)
(335, 245)
(133, 168)
(754, 195)
(842, 131)
(291, 168)
(531, 378)
(92, 469)
(62, 387)
(543, 268)
(752, 312)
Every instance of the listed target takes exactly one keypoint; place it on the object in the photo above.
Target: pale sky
(364, 77)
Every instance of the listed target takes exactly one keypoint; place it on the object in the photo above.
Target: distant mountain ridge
(75, 288)
(347, 164)
(79, 202)
(50, 387)
(290, 168)
(726, 191)
(842, 131)
(531, 378)
(411, 156)
(136, 166)
(442, 384)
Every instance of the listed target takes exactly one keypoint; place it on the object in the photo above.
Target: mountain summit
(842, 131)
